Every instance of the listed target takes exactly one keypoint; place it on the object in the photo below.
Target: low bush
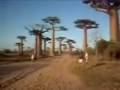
(109, 50)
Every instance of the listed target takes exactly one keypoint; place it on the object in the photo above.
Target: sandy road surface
(12, 72)
(56, 76)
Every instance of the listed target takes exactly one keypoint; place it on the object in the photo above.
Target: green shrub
(101, 46)
(112, 51)
(108, 49)
(7, 51)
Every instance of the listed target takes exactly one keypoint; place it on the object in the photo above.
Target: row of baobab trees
(110, 7)
(38, 31)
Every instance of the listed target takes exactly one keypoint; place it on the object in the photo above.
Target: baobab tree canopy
(85, 23)
(63, 28)
(18, 44)
(52, 20)
(46, 38)
(61, 38)
(21, 37)
(37, 29)
(34, 32)
(70, 41)
(103, 4)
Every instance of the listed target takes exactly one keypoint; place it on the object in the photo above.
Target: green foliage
(7, 51)
(103, 4)
(85, 23)
(113, 51)
(101, 46)
(108, 49)
(51, 20)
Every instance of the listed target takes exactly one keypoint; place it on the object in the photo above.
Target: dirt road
(57, 76)
(14, 71)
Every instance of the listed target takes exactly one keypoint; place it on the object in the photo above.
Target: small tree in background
(53, 21)
(112, 51)
(60, 39)
(101, 46)
(64, 47)
(70, 43)
(22, 39)
(45, 40)
(37, 30)
(18, 45)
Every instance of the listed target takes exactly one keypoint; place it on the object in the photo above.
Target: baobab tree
(53, 21)
(37, 30)
(85, 24)
(18, 45)
(60, 39)
(110, 7)
(45, 39)
(70, 43)
(22, 39)
(64, 47)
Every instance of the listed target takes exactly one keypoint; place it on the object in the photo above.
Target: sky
(16, 14)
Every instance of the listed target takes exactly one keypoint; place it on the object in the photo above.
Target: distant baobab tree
(22, 39)
(53, 21)
(64, 47)
(70, 43)
(85, 24)
(37, 30)
(60, 39)
(45, 39)
(18, 45)
(110, 7)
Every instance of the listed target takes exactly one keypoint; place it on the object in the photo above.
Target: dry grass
(99, 75)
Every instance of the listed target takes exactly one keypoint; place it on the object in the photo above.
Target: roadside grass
(98, 75)
(13, 57)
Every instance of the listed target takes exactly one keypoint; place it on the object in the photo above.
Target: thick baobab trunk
(35, 48)
(114, 25)
(85, 40)
(52, 51)
(60, 47)
(70, 48)
(40, 44)
(45, 46)
(64, 48)
(21, 48)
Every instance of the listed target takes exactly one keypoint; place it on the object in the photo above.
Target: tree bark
(22, 47)
(40, 44)
(85, 40)
(19, 49)
(60, 48)
(70, 48)
(114, 25)
(52, 51)
(35, 48)
(45, 46)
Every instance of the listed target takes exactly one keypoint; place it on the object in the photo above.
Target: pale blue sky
(15, 14)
